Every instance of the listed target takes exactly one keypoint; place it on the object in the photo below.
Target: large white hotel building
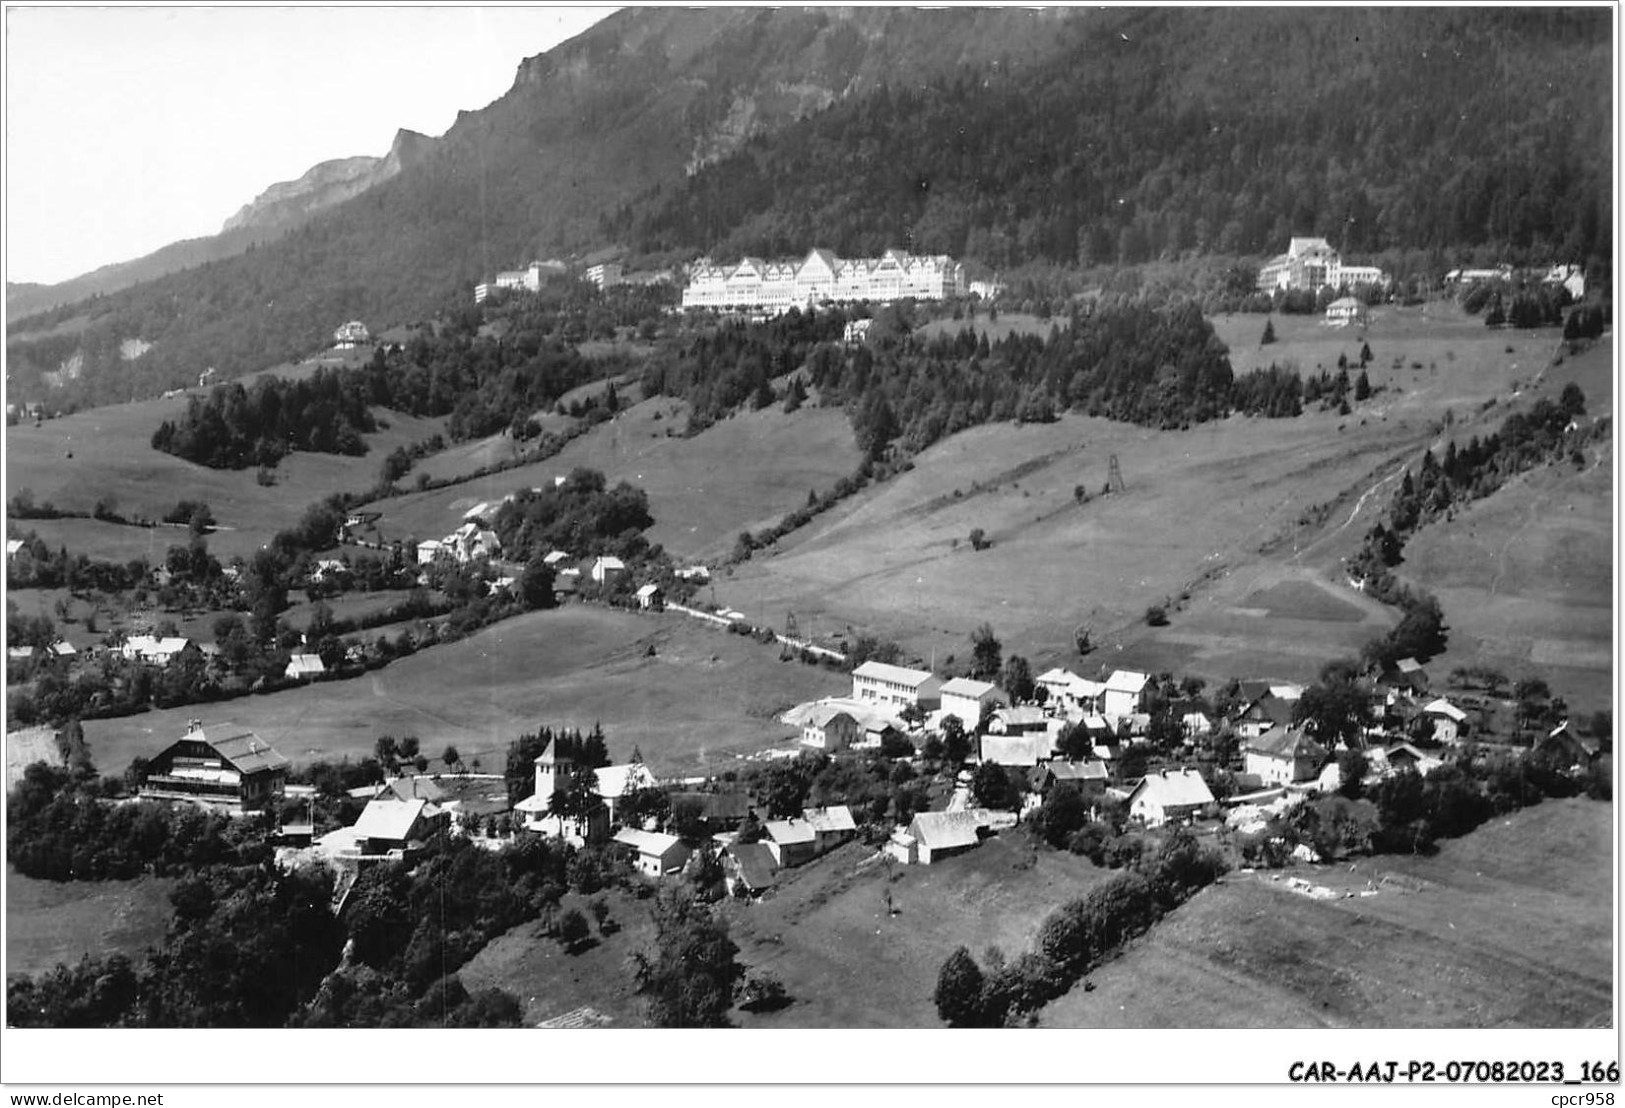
(821, 277)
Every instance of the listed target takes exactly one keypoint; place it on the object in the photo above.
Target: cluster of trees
(582, 514)
(234, 427)
(1108, 153)
(1074, 938)
(585, 749)
(692, 976)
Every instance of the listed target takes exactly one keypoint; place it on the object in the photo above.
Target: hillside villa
(232, 771)
(1168, 795)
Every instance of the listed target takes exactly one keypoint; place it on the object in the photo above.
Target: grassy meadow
(703, 698)
(1510, 926)
(51, 922)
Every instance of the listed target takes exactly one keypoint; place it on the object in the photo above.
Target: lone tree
(959, 990)
(1269, 333)
(451, 757)
(987, 653)
(573, 929)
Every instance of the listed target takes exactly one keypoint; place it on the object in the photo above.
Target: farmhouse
(1261, 714)
(304, 667)
(391, 827)
(933, 836)
(1567, 748)
(1090, 776)
(831, 826)
(654, 853)
(1017, 721)
(606, 567)
(1124, 693)
(897, 686)
(1449, 721)
(1283, 756)
(155, 651)
(747, 868)
(648, 597)
(1168, 795)
(235, 771)
(1403, 756)
(429, 550)
(966, 700)
(830, 727)
(790, 841)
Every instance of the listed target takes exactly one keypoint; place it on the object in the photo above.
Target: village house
(1089, 777)
(233, 771)
(1345, 310)
(1403, 756)
(392, 828)
(155, 651)
(934, 836)
(1283, 756)
(429, 550)
(830, 727)
(747, 869)
(1449, 721)
(351, 334)
(607, 567)
(654, 853)
(1020, 720)
(1261, 713)
(649, 598)
(966, 700)
(1124, 693)
(897, 686)
(304, 667)
(831, 826)
(792, 842)
(1024, 750)
(1168, 795)
(1568, 749)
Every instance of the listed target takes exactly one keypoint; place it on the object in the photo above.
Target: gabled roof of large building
(789, 832)
(1126, 680)
(828, 820)
(246, 751)
(385, 818)
(655, 843)
(1178, 788)
(1285, 742)
(944, 830)
(884, 671)
(614, 781)
(1078, 771)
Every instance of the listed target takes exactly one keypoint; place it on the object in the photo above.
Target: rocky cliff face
(326, 184)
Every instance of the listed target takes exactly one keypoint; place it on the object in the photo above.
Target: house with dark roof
(748, 869)
(1090, 777)
(1564, 746)
(1283, 756)
(229, 769)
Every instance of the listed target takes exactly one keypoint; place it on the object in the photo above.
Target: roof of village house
(1056, 676)
(1443, 707)
(1285, 742)
(755, 864)
(1025, 715)
(824, 714)
(147, 644)
(608, 561)
(391, 819)
(1344, 304)
(944, 830)
(789, 832)
(885, 671)
(647, 590)
(1078, 771)
(966, 687)
(656, 843)
(1126, 680)
(414, 788)
(831, 819)
(554, 556)
(1408, 665)
(1287, 692)
(1095, 722)
(820, 712)
(246, 751)
(1016, 750)
(1176, 789)
(1083, 688)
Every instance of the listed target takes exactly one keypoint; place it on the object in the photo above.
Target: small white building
(429, 550)
(654, 853)
(830, 727)
(351, 334)
(937, 835)
(967, 699)
(1345, 310)
(606, 567)
(1449, 721)
(304, 667)
(1283, 756)
(649, 597)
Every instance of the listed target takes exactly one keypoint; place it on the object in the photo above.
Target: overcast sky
(131, 128)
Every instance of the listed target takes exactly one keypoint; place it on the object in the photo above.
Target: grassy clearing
(703, 698)
(743, 473)
(49, 922)
(846, 963)
(113, 459)
(1510, 926)
(550, 982)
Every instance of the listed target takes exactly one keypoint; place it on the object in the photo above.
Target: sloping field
(113, 459)
(48, 922)
(1526, 579)
(743, 473)
(703, 697)
(1199, 505)
(847, 963)
(1510, 926)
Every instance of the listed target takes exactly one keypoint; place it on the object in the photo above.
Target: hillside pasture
(1526, 579)
(846, 962)
(1202, 506)
(113, 460)
(703, 699)
(1510, 926)
(745, 472)
(53, 922)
